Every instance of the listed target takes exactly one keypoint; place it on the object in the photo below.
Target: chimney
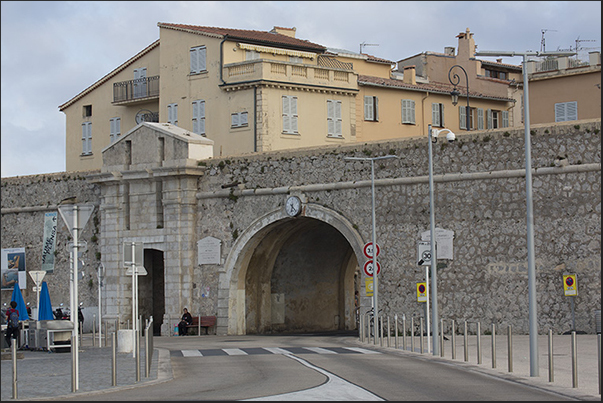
(466, 45)
(449, 50)
(284, 31)
(410, 76)
(594, 58)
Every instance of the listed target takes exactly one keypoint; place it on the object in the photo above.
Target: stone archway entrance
(287, 275)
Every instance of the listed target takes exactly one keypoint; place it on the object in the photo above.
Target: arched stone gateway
(288, 274)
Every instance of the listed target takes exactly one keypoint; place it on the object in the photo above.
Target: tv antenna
(579, 48)
(542, 42)
(367, 44)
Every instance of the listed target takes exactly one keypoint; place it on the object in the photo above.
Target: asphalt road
(322, 368)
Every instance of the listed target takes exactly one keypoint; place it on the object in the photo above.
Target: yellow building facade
(254, 91)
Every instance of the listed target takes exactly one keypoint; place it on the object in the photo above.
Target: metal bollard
(389, 339)
(114, 360)
(493, 345)
(412, 334)
(599, 354)
(404, 332)
(441, 337)
(574, 361)
(551, 373)
(421, 335)
(380, 321)
(510, 348)
(94, 331)
(13, 348)
(479, 343)
(137, 357)
(361, 328)
(396, 331)
(453, 339)
(465, 343)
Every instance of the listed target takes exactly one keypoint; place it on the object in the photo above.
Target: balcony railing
(287, 72)
(132, 90)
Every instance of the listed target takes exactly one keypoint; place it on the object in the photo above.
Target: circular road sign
(568, 280)
(368, 250)
(369, 268)
(421, 287)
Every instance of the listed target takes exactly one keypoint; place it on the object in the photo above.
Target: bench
(202, 321)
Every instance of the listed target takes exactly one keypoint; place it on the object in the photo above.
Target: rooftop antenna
(542, 42)
(579, 48)
(367, 44)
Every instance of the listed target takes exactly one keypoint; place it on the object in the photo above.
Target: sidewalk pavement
(42, 375)
(587, 360)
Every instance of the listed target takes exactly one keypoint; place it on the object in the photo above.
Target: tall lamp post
(455, 80)
(375, 266)
(433, 138)
(533, 318)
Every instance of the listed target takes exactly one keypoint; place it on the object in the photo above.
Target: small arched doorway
(294, 275)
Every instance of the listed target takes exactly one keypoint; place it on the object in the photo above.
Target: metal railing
(140, 88)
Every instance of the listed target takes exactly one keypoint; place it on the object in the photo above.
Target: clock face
(293, 206)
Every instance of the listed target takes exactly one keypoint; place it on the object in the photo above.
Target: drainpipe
(222, 58)
(255, 118)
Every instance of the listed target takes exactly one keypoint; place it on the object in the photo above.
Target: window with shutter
(489, 118)
(198, 58)
(463, 117)
(408, 111)
(199, 117)
(115, 129)
(173, 114)
(289, 114)
(334, 119)
(238, 119)
(566, 111)
(371, 108)
(87, 138)
(437, 115)
(505, 118)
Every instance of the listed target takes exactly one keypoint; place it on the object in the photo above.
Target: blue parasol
(45, 308)
(18, 298)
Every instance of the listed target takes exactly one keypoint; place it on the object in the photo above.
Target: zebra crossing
(270, 350)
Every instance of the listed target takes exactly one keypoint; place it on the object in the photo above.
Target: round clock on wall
(293, 206)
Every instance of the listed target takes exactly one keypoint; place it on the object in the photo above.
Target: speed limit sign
(369, 268)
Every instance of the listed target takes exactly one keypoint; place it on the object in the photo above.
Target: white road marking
(234, 351)
(276, 350)
(320, 350)
(362, 350)
(192, 353)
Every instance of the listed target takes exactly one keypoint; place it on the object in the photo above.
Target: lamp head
(455, 96)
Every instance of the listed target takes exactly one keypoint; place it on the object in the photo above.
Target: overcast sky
(51, 51)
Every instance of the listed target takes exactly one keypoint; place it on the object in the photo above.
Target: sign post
(133, 257)
(76, 217)
(37, 276)
(424, 259)
(570, 289)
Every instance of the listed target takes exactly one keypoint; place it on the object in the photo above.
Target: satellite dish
(144, 115)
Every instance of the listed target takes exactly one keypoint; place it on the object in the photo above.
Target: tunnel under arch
(293, 275)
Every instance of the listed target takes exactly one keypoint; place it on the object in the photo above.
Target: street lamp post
(455, 93)
(533, 318)
(374, 236)
(433, 137)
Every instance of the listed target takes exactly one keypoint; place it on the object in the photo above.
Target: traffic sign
(84, 211)
(368, 284)
(421, 292)
(368, 250)
(424, 253)
(369, 268)
(570, 285)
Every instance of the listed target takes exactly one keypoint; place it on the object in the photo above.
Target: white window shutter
(442, 115)
(286, 120)
(435, 114)
(234, 119)
(194, 64)
(462, 117)
(489, 118)
(480, 119)
(202, 58)
(243, 119)
(571, 111)
(196, 117)
(412, 112)
(330, 118)
(338, 121)
(202, 117)
(368, 108)
(293, 120)
(505, 119)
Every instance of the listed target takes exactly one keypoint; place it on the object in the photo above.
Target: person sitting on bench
(186, 320)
